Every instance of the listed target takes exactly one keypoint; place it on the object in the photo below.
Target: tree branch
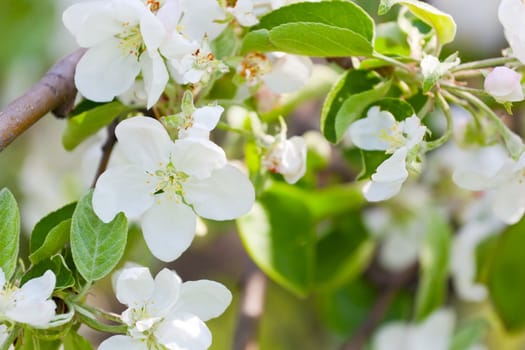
(54, 92)
(107, 148)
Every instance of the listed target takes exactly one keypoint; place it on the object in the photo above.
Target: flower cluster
(165, 312)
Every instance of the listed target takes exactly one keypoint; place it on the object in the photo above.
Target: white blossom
(123, 38)
(434, 333)
(165, 312)
(243, 11)
(287, 157)
(490, 168)
(504, 84)
(380, 131)
(31, 303)
(432, 67)
(511, 14)
(167, 182)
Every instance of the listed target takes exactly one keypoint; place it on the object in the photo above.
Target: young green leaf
(57, 264)
(87, 123)
(9, 232)
(55, 240)
(97, 247)
(434, 257)
(74, 341)
(278, 234)
(337, 28)
(47, 223)
(442, 23)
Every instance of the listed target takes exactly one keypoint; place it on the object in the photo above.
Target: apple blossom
(123, 38)
(287, 157)
(490, 168)
(511, 14)
(31, 303)
(504, 84)
(165, 312)
(434, 333)
(380, 131)
(167, 182)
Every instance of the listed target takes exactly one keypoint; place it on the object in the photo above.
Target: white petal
(2, 278)
(368, 133)
(289, 73)
(205, 299)
(36, 313)
(167, 289)
(293, 164)
(184, 332)
(153, 31)
(79, 19)
(119, 342)
(392, 336)
(134, 286)
(155, 76)
(197, 157)
(122, 189)
(168, 228)
(106, 71)
(380, 191)
(208, 116)
(175, 47)
(435, 332)
(170, 14)
(392, 169)
(225, 195)
(509, 202)
(144, 142)
(200, 18)
(504, 84)
(399, 250)
(39, 288)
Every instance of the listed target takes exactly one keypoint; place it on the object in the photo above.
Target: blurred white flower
(167, 183)
(511, 14)
(479, 224)
(287, 157)
(504, 84)
(434, 333)
(431, 66)
(490, 168)
(123, 38)
(164, 312)
(31, 303)
(243, 11)
(379, 131)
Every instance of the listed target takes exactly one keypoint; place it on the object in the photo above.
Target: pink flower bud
(504, 85)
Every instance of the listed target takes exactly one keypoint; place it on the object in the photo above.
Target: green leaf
(337, 28)
(351, 83)
(87, 123)
(506, 277)
(57, 264)
(97, 247)
(343, 252)
(399, 108)
(442, 23)
(9, 232)
(278, 234)
(57, 237)
(434, 257)
(42, 228)
(370, 160)
(74, 341)
(333, 200)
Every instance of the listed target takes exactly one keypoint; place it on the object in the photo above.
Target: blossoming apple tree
(197, 98)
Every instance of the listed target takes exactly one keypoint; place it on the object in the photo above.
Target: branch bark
(54, 92)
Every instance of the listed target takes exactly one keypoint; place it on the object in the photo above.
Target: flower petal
(367, 133)
(225, 195)
(36, 313)
(509, 202)
(167, 289)
(155, 76)
(184, 332)
(207, 117)
(119, 342)
(2, 278)
(197, 157)
(205, 299)
(153, 31)
(435, 332)
(392, 336)
(392, 169)
(106, 71)
(168, 228)
(134, 286)
(200, 19)
(39, 288)
(289, 73)
(122, 189)
(144, 142)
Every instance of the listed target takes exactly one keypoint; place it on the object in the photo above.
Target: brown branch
(107, 148)
(54, 92)
(379, 309)
(252, 307)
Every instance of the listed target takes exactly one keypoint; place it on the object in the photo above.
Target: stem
(443, 105)
(489, 62)
(82, 294)
(422, 113)
(392, 61)
(89, 319)
(107, 315)
(512, 141)
(479, 92)
(107, 148)
(11, 338)
(227, 127)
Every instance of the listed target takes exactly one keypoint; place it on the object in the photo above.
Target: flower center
(253, 66)
(396, 137)
(131, 41)
(169, 181)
